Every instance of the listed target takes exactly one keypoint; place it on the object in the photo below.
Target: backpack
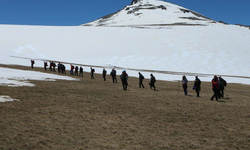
(221, 85)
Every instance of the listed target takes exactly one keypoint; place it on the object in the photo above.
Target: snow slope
(208, 49)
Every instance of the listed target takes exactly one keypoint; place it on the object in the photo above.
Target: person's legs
(197, 92)
(185, 90)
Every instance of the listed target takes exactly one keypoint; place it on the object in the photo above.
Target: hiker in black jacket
(104, 72)
(92, 72)
(141, 77)
(152, 81)
(63, 69)
(113, 74)
(81, 72)
(222, 85)
(76, 71)
(45, 65)
(124, 79)
(197, 86)
(32, 64)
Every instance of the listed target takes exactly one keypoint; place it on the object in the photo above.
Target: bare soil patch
(97, 114)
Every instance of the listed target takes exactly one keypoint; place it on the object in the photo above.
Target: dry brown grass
(93, 114)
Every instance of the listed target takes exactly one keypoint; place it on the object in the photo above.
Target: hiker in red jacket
(71, 69)
(215, 87)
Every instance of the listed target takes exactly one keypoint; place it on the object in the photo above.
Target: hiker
(71, 69)
(184, 84)
(45, 65)
(113, 74)
(50, 66)
(92, 72)
(54, 66)
(124, 79)
(81, 72)
(197, 86)
(32, 64)
(222, 85)
(215, 87)
(63, 68)
(59, 66)
(152, 81)
(141, 77)
(76, 71)
(104, 72)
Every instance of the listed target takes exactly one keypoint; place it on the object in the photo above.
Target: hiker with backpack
(184, 84)
(141, 78)
(152, 81)
(215, 88)
(92, 72)
(113, 75)
(124, 79)
(45, 65)
(32, 64)
(197, 86)
(104, 72)
(222, 85)
(54, 66)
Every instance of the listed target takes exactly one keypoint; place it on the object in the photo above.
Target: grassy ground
(97, 114)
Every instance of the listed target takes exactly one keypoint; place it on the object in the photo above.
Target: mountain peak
(152, 13)
(135, 1)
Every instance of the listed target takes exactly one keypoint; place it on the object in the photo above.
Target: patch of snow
(4, 98)
(14, 77)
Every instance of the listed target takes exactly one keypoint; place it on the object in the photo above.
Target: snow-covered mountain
(143, 36)
(152, 13)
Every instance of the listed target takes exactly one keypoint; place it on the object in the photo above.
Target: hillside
(97, 114)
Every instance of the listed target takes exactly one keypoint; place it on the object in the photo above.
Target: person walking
(71, 69)
(104, 72)
(92, 72)
(197, 86)
(32, 64)
(50, 66)
(54, 66)
(124, 79)
(184, 84)
(113, 74)
(63, 69)
(76, 71)
(81, 72)
(141, 78)
(45, 65)
(222, 85)
(215, 88)
(59, 67)
(152, 81)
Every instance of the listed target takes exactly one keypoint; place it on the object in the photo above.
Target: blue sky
(77, 12)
